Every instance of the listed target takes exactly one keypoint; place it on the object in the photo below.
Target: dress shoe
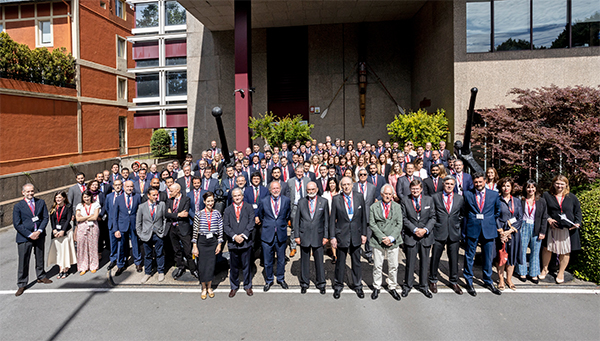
(44, 280)
(471, 290)
(303, 290)
(405, 291)
(492, 288)
(111, 265)
(249, 292)
(336, 293)
(433, 287)
(232, 293)
(145, 279)
(178, 273)
(375, 294)
(195, 274)
(522, 278)
(322, 291)
(360, 293)
(395, 294)
(292, 253)
(426, 292)
(283, 284)
(457, 289)
(20, 291)
(139, 268)
(267, 287)
(161, 277)
(119, 271)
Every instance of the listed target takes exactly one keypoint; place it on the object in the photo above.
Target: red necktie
(238, 210)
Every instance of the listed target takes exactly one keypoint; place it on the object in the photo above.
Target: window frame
(123, 9)
(125, 97)
(38, 39)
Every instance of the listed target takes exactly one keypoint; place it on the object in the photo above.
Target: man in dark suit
(435, 160)
(75, 191)
(285, 153)
(444, 153)
(369, 194)
(178, 207)
(482, 209)
(196, 201)
(213, 147)
(110, 203)
(297, 186)
(403, 184)
(417, 233)
(114, 174)
(256, 192)
(140, 185)
(311, 233)
(103, 187)
(464, 182)
(124, 228)
(209, 184)
(238, 225)
(276, 176)
(433, 184)
(228, 181)
(273, 215)
(185, 182)
(287, 171)
(447, 233)
(322, 179)
(376, 180)
(30, 217)
(308, 173)
(348, 231)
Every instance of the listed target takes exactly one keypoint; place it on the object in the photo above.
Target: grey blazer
(403, 186)
(381, 227)
(74, 196)
(371, 195)
(145, 225)
(311, 231)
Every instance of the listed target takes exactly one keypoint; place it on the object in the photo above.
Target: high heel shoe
(559, 281)
(543, 275)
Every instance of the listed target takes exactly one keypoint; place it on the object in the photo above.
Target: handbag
(503, 255)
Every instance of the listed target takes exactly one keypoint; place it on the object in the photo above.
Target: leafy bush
(276, 130)
(587, 266)
(18, 61)
(552, 128)
(160, 142)
(419, 127)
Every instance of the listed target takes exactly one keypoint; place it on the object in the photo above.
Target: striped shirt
(201, 224)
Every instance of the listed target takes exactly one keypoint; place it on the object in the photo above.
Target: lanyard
(298, 186)
(415, 206)
(448, 201)
(152, 210)
(175, 205)
(206, 182)
(187, 182)
(208, 220)
(512, 205)
(374, 177)
(530, 209)
(460, 179)
(128, 202)
(386, 209)
(58, 216)
(362, 188)
(82, 188)
(197, 197)
(275, 204)
(256, 190)
(87, 211)
(31, 205)
(435, 183)
(348, 201)
(560, 202)
(481, 202)
(312, 206)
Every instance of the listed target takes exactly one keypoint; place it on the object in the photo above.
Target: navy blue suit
(480, 230)
(137, 187)
(213, 184)
(274, 235)
(192, 195)
(466, 185)
(25, 226)
(260, 155)
(124, 221)
(109, 208)
(263, 192)
(380, 182)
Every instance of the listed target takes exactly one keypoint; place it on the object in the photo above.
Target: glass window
(146, 62)
(120, 9)
(174, 13)
(585, 20)
(550, 24)
(147, 85)
(176, 61)
(511, 25)
(176, 83)
(146, 15)
(479, 26)
(122, 88)
(121, 48)
(45, 32)
(1, 27)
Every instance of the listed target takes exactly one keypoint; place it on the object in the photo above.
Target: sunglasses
(362, 174)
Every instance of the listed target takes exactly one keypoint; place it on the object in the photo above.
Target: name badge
(562, 216)
(512, 220)
(58, 227)
(480, 216)
(187, 190)
(90, 223)
(254, 206)
(34, 219)
(209, 235)
(129, 212)
(529, 221)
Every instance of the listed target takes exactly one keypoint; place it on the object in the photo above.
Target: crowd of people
(341, 199)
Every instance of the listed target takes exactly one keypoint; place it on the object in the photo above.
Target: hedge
(587, 266)
(160, 142)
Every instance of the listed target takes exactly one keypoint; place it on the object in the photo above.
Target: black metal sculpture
(217, 112)
(463, 151)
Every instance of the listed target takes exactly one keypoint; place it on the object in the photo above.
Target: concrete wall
(433, 59)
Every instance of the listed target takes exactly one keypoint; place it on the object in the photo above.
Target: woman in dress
(509, 222)
(395, 174)
(163, 177)
(62, 248)
(104, 236)
(564, 220)
(206, 241)
(87, 233)
(383, 167)
(331, 191)
(491, 179)
(533, 231)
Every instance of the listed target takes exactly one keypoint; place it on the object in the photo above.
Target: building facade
(418, 54)
(44, 127)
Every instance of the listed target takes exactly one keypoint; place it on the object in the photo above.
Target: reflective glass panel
(585, 18)
(511, 25)
(479, 26)
(550, 24)
(147, 85)
(176, 83)
(174, 13)
(146, 15)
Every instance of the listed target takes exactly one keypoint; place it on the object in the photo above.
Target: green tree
(512, 44)
(160, 142)
(582, 32)
(149, 16)
(278, 130)
(175, 13)
(587, 265)
(419, 127)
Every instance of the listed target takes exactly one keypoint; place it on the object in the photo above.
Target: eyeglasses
(362, 174)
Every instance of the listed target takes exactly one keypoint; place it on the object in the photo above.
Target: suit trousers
(368, 248)
(488, 247)
(411, 260)
(114, 247)
(378, 258)
(293, 211)
(257, 247)
(436, 254)
(269, 254)
(24, 251)
(340, 267)
(305, 265)
(182, 247)
(104, 237)
(123, 248)
(154, 243)
(240, 258)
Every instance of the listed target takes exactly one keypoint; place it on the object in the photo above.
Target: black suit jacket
(540, 224)
(311, 231)
(245, 226)
(348, 232)
(448, 225)
(412, 220)
(320, 188)
(182, 183)
(183, 222)
(429, 187)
